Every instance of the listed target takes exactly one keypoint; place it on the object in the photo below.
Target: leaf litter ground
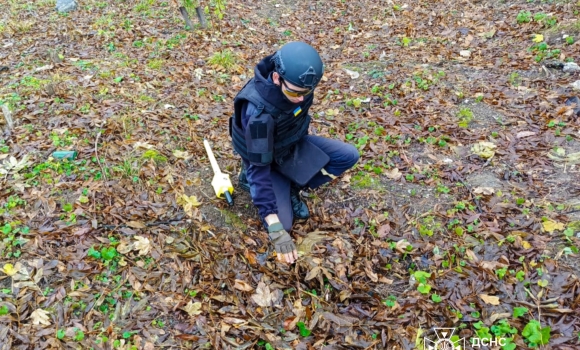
(126, 246)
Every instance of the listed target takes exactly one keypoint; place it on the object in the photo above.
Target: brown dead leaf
(394, 174)
(266, 298)
(370, 273)
(142, 244)
(313, 273)
(243, 286)
(384, 230)
(192, 308)
(402, 245)
(124, 246)
(39, 316)
(135, 224)
(489, 299)
(486, 191)
(522, 134)
(498, 316)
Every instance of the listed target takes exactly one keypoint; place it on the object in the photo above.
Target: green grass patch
(155, 63)
(225, 59)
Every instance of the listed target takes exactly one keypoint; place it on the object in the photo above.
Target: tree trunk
(201, 17)
(186, 17)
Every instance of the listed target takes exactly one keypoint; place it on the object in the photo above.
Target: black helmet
(300, 64)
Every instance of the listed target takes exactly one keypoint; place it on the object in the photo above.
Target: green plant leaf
(305, 332)
(127, 335)
(535, 335)
(93, 253)
(509, 344)
(520, 311)
(68, 207)
(422, 276)
(436, 298)
(503, 328)
(79, 336)
(60, 334)
(6, 229)
(108, 253)
(424, 288)
(4, 310)
(543, 283)
(390, 301)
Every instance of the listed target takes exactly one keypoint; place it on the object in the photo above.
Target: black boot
(243, 180)
(299, 208)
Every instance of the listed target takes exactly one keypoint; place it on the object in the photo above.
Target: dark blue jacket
(258, 175)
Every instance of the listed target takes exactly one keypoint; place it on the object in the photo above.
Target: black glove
(281, 240)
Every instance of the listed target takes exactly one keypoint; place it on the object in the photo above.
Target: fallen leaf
(522, 134)
(264, 297)
(13, 166)
(465, 53)
(135, 224)
(484, 149)
(124, 246)
(394, 174)
(352, 74)
(39, 316)
(370, 273)
(499, 316)
(484, 190)
(538, 38)
(384, 230)
(188, 203)
(9, 270)
(142, 245)
(551, 226)
(182, 155)
(144, 145)
(310, 240)
(526, 245)
(192, 308)
(402, 245)
(312, 273)
(243, 286)
(489, 299)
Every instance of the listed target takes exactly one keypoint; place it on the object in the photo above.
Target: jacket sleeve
(259, 178)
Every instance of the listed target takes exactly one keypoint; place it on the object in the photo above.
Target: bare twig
(97, 153)
(8, 116)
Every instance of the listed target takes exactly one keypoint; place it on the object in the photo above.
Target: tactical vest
(289, 125)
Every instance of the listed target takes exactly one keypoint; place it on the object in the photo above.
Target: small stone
(576, 85)
(574, 101)
(66, 5)
(571, 67)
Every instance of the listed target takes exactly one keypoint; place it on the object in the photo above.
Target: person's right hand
(283, 243)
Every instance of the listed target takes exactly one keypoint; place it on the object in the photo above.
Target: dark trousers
(342, 157)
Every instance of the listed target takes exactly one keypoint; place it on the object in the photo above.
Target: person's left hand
(283, 243)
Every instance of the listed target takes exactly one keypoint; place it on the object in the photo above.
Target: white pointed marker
(221, 182)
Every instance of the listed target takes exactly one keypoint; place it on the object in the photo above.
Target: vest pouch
(303, 162)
